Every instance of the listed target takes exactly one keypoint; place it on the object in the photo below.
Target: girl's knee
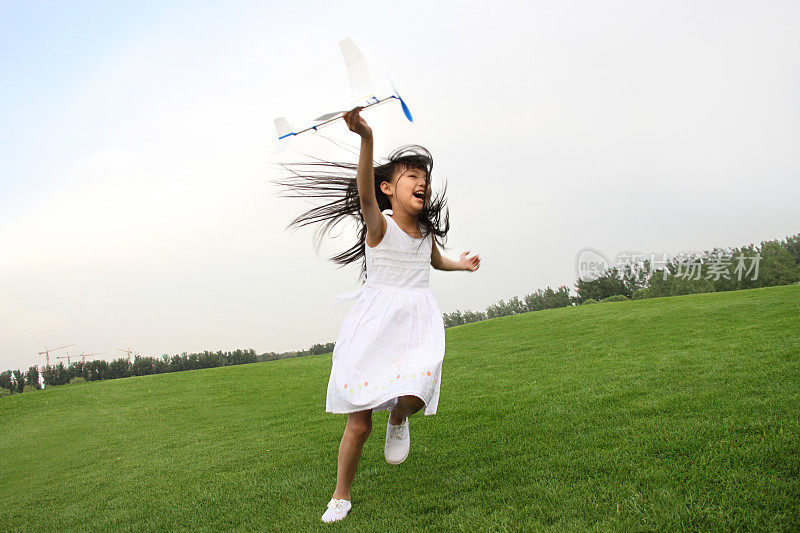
(359, 425)
(359, 431)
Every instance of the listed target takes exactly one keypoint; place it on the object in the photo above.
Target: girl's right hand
(357, 123)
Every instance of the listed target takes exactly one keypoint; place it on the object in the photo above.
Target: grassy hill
(668, 413)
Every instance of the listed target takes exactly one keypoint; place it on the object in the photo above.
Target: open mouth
(419, 195)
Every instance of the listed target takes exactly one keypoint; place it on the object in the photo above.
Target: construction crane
(67, 357)
(46, 352)
(85, 355)
(129, 352)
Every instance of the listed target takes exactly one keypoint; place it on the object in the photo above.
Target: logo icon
(590, 264)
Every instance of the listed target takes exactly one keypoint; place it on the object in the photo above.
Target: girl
(390, 348)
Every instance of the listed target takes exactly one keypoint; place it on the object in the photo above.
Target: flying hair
(336, 182)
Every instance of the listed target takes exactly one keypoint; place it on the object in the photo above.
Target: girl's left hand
(471, 263)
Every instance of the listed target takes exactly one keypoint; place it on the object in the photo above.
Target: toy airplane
(361, 86)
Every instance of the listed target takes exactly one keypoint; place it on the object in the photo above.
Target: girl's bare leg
(356, 431)
(406, 405)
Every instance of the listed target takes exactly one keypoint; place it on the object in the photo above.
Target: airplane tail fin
(282, 126)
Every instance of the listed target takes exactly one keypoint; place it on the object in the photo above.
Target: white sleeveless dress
(391, 343)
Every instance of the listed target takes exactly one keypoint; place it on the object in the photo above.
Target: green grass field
(675, 413)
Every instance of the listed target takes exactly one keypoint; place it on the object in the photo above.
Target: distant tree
(321, 348)
(674, 283)
(473, 316)
(142, 366)
(98, 369)
(119, 368)
(778, 267)
(19, 381)
(516, 306)
(268, 356)
(32, 377)
(535, 301)
(210, 359)
(792, 245)
(548, 299)
(452, 319)
(498, 309)
(60, 374)
(75, 370)
(611, 282)
(5, 380)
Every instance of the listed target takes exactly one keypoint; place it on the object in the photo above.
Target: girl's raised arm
(365, 177)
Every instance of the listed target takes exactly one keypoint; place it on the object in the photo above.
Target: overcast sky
(136, 144)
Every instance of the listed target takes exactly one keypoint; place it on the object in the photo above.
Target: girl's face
(410, 188)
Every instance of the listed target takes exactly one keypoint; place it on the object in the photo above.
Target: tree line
(17, 381)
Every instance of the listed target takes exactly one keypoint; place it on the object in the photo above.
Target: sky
(137, 148)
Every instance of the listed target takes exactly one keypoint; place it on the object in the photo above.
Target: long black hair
(339, 185)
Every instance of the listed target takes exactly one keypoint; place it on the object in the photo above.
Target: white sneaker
(398, 442)
(337, 509)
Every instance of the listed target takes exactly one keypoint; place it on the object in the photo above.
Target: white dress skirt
(391, 343)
